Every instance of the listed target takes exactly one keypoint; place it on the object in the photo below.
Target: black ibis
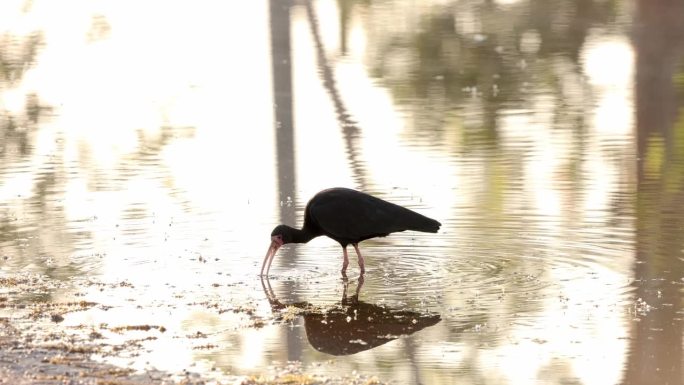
(349, 217)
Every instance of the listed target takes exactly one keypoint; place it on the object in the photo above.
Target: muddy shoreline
(37, 349)
(26, 363)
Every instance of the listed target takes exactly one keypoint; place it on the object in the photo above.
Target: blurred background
(148, 148)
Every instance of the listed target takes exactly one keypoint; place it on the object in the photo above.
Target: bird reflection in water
(352, 326)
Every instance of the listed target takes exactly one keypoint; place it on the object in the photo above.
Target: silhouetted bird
(349, 217)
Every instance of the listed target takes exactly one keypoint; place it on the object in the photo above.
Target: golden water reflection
(148, 151)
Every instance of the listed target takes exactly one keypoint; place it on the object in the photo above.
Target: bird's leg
(345, 285)
(358, 287)
(346, 261)
(361, 264)
(354, 298)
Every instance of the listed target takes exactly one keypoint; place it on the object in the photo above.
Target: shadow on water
(351, 326)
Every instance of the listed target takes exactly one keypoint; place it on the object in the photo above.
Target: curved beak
(272, 249)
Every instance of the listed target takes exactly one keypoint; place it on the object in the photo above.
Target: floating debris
(145, 328)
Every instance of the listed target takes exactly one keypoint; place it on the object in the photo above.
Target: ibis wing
(353, 217)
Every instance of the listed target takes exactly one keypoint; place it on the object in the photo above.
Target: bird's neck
(302, 236)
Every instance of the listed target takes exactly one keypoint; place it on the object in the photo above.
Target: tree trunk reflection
(656, 345)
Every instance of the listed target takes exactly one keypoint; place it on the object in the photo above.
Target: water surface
(148, 151)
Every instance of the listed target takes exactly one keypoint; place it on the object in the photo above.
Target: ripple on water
(512, 277)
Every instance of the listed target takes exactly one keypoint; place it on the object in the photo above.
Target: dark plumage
(349, 217)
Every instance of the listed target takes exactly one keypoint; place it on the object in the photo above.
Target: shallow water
(144, 166)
